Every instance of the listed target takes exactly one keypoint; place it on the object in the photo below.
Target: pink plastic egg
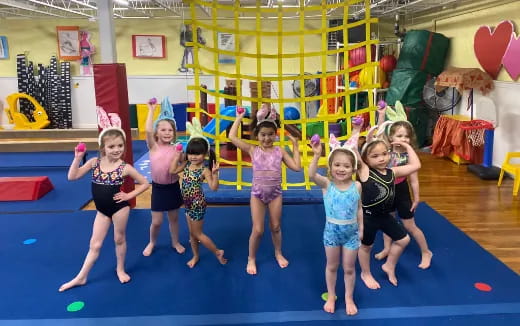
(81, 147)
(315, 139)
(178, 147)
(152, 101)
(240, 110)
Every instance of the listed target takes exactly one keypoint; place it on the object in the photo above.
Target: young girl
(344, 219)
(377, 184)
(194, 172)
(402, 131)
(108, 173)
(166, 192)
(266, 190)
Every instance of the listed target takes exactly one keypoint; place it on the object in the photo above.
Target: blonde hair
(113, 133)
(172, 123)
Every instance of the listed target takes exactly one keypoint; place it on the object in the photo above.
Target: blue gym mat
(230, 195)
(164, 290)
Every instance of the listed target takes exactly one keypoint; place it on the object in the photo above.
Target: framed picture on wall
(226, 41)
(4, 50)
(149, 46)
(68, 42)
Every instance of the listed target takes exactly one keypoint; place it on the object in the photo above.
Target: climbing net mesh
(276, 32)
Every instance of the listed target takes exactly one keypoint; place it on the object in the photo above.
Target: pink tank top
(160, 161)
(267, 166)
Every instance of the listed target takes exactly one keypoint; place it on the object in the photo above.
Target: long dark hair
(199, 146)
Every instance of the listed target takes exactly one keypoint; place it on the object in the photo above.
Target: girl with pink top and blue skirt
(266, 191)
(166, 192)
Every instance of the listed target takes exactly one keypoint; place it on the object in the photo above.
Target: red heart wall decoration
(490, 46)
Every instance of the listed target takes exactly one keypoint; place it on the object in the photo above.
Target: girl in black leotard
(377, 184)
(108, 172)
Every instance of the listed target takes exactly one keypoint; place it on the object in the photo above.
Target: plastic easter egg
(81, 147)
(178, 147)
(152, 101)
(240, 110)
(315, 139)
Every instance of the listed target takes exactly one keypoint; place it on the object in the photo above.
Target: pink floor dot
(483, 287)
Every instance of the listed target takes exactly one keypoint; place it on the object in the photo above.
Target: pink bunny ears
(335, 144)
(110, 121)
(264, 114)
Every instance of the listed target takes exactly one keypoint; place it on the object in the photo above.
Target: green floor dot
(75, 306)
(325, 296)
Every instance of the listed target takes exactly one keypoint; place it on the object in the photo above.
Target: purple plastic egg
(152, 101)
(357, 121)
(381, 104)
(315, 139)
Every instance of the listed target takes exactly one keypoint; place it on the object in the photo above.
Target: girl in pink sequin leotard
(266, 191)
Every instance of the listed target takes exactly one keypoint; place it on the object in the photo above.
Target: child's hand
(240, 112)
(316, 148)
(78, 152)
(121, 197)
(415, 203)
(214, 169)
(401, 143)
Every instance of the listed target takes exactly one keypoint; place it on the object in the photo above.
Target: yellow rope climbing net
(273, 39)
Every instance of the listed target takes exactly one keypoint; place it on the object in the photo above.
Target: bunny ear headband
(336, 145)
(110, 121)
(194, 128)
(166, 113)
(264, 114)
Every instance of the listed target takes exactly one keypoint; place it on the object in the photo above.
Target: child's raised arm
(76, 171)
(414, 164)
(318, 179)
(293, 162)
(212, 176)
(245, 147)
(150, 139)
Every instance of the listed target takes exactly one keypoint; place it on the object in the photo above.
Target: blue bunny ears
(166, 113)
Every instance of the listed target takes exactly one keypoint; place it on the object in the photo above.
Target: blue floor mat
(230, 195)
(164, 290)
(66, 195)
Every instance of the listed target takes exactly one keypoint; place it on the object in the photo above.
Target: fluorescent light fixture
(122, 2)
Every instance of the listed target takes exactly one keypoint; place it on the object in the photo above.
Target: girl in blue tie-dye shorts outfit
(344, 218)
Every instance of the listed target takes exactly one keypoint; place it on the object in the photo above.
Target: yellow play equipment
(268, 47)
(513, 168)
(20, 121)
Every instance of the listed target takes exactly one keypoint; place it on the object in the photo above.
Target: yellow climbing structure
(277, 33)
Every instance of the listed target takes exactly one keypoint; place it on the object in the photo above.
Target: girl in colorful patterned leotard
(112, 205)
(266, 191)
(194, 173)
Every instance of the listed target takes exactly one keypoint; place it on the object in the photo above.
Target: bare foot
(193, 262)
(351, 307)
(426, 260)
(72, 283)
(123, 277)
(251, 266)
(220, 257)
(391, 274)
(281, 261)
(148, 250)
(370, 282)
(179, 248)
(330, 305)
(381, 255)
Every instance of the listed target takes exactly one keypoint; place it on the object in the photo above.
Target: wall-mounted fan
(311, 87)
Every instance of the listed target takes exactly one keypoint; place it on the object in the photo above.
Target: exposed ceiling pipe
(13, 4)
(372, 6)
(61, 8)
(403, 6)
